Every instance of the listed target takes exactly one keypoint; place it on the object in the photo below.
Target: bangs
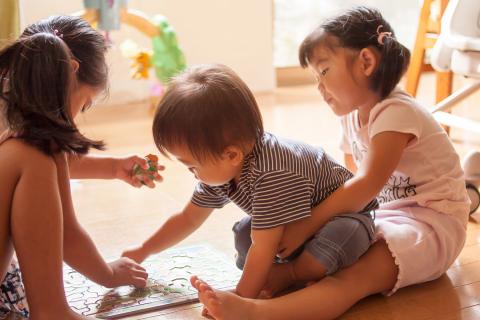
(317, 38)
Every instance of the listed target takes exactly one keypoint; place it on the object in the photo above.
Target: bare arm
(101, 167)
(79, 250)
(382, 158)
(350, 163)
(259, 261)
(91, 167)
(174, 230)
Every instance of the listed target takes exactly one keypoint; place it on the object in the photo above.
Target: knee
(357, 244)
(340, 244)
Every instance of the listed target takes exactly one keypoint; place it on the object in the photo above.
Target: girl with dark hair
(404, 158)
(53, 71)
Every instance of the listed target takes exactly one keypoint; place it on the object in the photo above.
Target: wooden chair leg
(444, 85)
(416, 62)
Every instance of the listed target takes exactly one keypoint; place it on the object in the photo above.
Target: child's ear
(368, 59)
(75, 65)
(233, 154)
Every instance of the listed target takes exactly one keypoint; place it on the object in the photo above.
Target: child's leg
(242, 235)
(241, 231)
(339, 244)
(374, 272)
(37, 232)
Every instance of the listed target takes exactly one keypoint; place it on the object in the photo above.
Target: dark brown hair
(206, 109)
(36, 79)
(356, 29)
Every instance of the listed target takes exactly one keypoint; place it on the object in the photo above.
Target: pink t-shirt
(429, 172)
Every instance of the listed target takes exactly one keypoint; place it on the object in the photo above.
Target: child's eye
(324, 71)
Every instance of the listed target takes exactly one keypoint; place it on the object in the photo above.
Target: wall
(233, 32)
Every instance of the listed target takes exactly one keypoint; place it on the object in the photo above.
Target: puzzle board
(168, 284)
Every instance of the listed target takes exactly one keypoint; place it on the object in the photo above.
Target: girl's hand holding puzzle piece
(138, 171)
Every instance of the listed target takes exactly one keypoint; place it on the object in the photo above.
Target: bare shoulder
(15, 153)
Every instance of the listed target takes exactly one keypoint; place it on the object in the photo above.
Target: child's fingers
(140, 274)
(134, 181)
(157, 177)
(138, 269)
(141, 162)
(146, 181)
(140, 180)
(139, 282)
(283, 252)
(138, 266)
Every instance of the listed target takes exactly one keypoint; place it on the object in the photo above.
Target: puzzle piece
(168, 284)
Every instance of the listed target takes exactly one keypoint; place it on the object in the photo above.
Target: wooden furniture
(428, 30)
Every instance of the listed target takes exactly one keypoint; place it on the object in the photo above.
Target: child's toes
(204, 287)
(194, 281)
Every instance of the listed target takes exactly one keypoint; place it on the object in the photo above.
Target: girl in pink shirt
(399, 154)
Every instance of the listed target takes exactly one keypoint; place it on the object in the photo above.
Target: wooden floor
(117, 215)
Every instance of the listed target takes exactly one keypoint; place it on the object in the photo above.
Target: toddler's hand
(293, 237)
(124, 170)
(125, 271)
(135, 253)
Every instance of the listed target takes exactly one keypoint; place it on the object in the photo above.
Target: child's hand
(125, 271)
(124, 170)
(293, 237)
(137, 254)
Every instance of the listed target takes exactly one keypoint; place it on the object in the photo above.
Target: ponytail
(391, 67)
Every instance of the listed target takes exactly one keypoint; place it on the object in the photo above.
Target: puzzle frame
(168, 286)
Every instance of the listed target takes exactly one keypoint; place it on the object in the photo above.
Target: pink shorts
(423, 242)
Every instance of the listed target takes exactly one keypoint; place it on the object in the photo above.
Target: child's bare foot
(281, 277)
(222, 305)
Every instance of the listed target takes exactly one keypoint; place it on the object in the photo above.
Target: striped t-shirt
(281, 181)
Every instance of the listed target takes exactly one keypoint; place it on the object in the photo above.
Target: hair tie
(382, 35)
(58, 34)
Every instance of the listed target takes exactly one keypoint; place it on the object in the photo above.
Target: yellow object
(9, 21)
(141, 64)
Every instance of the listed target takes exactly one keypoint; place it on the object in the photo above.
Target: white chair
(458, 49)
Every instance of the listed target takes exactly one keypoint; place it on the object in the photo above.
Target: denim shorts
(338, 244)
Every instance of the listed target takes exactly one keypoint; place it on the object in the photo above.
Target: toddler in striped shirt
(210, 121)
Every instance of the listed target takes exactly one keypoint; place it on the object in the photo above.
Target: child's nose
(321, 87)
